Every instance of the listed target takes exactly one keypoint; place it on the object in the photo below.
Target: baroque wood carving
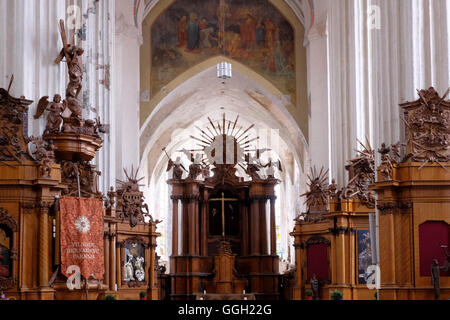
(130, 200)
(361, 174)
(427, 122)
(13, 127)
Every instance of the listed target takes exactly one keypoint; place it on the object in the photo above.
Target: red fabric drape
(317, 261)
(431, 233)
(81, 236)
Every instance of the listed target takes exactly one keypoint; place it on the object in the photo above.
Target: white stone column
(126, 88)
(319, 113)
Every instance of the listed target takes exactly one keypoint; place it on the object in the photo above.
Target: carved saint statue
(195, 168)
(178, 168)
(129, 268)
(72, 53)
(435, 278)
(54, 108)
(253, 167)
(315, 284)
(271, 166)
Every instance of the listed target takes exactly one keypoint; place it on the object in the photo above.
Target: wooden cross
(223, 199)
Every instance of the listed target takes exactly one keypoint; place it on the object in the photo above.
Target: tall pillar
(44, 245)
(244, 248)
(174, 226)
(185, 227)
(254, 227)
(112, 260)
(196, 227)
(204, 231)
(106, 258)
(273, 236)
(263, 225)
(191, 226)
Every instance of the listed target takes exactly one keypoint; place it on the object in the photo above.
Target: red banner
(81, 234)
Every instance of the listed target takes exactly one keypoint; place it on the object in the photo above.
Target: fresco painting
(252, 32)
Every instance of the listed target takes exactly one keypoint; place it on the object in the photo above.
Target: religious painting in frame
(252, 32)
(134, 263)
(5, 251)
(8, 253)
(364, 255)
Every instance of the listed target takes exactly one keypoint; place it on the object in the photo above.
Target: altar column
(112, 258)
(244, 248)
(196, 227)
(273, 237)
(263, 225)
(254, 227)
(106, 257)
(185, 227)
(174, 226)
(44, 242)
(204, 233)
(191, 226)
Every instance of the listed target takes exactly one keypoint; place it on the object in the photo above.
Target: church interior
(224, 150)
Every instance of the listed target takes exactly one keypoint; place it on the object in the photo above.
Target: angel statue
(177, 166)
(54, 108)
(271, 166)
(195, 168)
(253, 166)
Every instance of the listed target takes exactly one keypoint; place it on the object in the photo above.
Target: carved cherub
(54, 108)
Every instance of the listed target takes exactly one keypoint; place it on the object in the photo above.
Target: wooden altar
(332, 240)
(29, 180)
(414, 203)
(223, 246)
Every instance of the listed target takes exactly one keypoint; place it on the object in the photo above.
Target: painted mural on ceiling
(252, 32)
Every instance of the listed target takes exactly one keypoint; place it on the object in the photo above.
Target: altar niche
(223, 221)
(223, 211)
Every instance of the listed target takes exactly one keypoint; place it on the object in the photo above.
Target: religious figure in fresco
(222, 13)
(182, 32)
(270, 33)
(248, 32)
(260, 32)
(252, 32)
(193, 35)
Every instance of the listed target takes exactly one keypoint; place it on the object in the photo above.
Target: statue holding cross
(223, 200)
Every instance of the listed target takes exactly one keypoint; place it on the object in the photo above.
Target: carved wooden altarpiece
(326, 235)
(130, 242)
(413, 190)
(223, 248)
(29, 180)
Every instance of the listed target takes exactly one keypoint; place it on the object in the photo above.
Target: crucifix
(223, 199)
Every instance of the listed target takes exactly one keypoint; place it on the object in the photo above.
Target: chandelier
(224, 70)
